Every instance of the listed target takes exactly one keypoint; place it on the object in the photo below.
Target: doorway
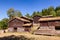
(15, 29)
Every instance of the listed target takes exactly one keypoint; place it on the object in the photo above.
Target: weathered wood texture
(19, 25)
(35, 19)
(42, 27)
(16, 23)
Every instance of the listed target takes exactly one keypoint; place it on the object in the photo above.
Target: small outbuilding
(19, 24)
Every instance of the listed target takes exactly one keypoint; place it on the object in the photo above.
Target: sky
(25, 6)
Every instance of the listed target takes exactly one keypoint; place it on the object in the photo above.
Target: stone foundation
(20, 29)
(45, 32)
(10, 29)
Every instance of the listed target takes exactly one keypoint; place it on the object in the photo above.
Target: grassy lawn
(28, 35)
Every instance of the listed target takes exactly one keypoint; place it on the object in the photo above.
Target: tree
(53, 13)
(17, 13)
(44, 12)
(13, 13)
(1, 25)
(58, 13)
(50, 9)
(34, 13)
(39, 13)
(4, 23)
(27, 15)
(57, 8)
(10, 13)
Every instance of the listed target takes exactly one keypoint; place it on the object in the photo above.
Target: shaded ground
(12, 37)
(26, 36)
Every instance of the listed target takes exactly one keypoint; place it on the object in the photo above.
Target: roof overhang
(49, 19)
(19, 19)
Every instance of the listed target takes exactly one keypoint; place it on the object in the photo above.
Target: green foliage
(27, 15)
(44, 12)
(37, 13)
(53, 13)
(17, 13)
(48, 11)
(4, 23)
(10, 13)
(57, 8)
(13, 13)
(58, 13)
(34, 13)
(51, 8)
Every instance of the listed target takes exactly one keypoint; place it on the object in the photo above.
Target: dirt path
(37, 37)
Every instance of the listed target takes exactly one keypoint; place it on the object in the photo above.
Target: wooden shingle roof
(20, 19)
(28, 24)
(49, 19)
(26, 18)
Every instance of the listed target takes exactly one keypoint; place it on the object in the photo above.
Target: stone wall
(45, 32)
(20, 29)
(10, 29)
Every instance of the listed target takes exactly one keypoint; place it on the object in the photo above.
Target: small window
(15, 29)
(57, 27)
